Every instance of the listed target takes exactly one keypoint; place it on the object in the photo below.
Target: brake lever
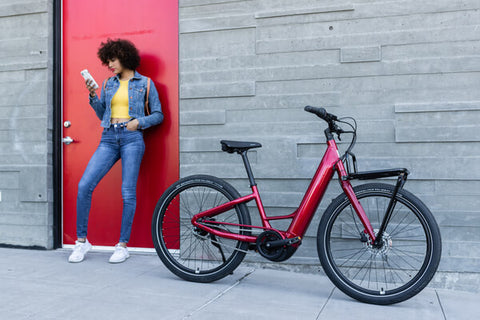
(338, 131)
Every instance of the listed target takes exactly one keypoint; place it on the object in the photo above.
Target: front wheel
(189, 252)
(395, 271)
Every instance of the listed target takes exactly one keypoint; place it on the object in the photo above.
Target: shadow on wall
(152, 67)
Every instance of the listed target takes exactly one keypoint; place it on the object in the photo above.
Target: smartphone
(87, 76)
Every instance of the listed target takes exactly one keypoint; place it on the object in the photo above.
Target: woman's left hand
(132, 125)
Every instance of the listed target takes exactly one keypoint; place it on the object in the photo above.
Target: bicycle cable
(339, 131)
(353, 132)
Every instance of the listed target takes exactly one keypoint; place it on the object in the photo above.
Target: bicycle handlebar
(334, 128)
(321, 113)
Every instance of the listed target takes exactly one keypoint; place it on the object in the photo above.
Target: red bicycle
(378, 243)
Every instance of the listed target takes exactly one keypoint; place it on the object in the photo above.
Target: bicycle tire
(398, 270)
(197, 255)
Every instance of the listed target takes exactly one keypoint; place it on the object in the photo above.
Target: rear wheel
(400, 267)
(189, 252)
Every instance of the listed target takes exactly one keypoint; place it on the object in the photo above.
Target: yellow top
(120, 101)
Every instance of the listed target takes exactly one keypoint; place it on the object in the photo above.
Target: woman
(121, 109)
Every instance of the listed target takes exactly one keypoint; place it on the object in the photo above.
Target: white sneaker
(119, 255)
(79, 251)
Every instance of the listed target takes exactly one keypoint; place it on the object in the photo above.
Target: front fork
(376, 239)
(348, 189)
(402, 178)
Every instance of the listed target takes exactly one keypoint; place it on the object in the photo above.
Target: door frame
(57, 125)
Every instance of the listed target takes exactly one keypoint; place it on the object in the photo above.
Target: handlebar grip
(321, 113)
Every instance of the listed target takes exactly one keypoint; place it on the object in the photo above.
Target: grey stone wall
(408, 71)
(26, 42)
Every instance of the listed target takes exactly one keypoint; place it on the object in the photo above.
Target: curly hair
(123, 50)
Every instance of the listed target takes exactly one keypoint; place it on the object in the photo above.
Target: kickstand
(216, 244)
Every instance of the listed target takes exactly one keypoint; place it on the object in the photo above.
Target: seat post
(248, 168)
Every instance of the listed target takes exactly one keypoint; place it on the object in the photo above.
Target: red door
(153, 27)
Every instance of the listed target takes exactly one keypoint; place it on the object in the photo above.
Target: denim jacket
(137, 89)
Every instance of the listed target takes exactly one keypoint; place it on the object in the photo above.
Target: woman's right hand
(90, 88)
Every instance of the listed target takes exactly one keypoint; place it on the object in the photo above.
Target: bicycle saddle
(238, 146)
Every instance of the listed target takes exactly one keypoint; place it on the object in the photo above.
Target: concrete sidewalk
(43, 285)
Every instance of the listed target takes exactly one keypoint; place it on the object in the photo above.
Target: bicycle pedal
(296, 240)
(283, 242)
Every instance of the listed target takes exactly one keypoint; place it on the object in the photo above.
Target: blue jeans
(117, 142)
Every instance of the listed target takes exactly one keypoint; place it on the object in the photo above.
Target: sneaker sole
(114, 262)
(76, 261)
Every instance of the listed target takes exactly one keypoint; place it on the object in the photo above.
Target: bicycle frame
(303, 215)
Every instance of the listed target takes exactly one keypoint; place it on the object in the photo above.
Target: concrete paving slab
(270, 294)
(459, 305)
(425, 305)
(43, 285)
